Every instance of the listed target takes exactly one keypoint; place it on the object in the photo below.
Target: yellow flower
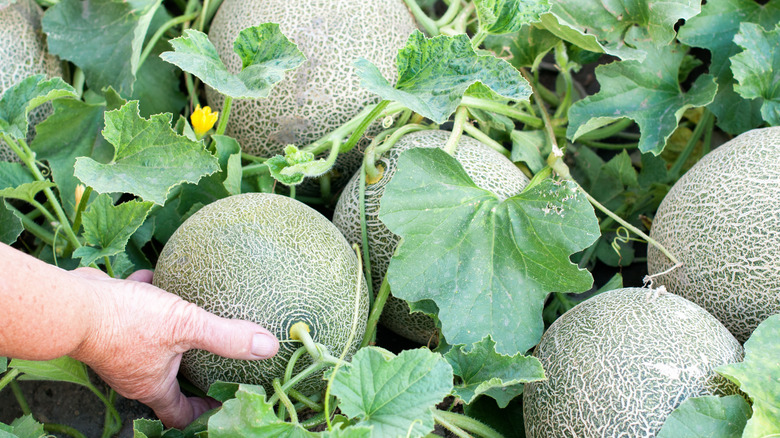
(202, 120)
(79, 193)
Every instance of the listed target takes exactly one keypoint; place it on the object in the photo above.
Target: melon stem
(464, 423)
(461, 117)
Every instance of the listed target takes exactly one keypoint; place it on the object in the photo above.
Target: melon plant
(620, 362)
(324, 92)
(23, 53)
(722, 221)
(489, 169)
(272, 260)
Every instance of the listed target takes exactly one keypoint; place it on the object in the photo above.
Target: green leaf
(72, 131)
(296, 165)
(615, 28)
(17, 102)
(647, 92)
(144, 428)
(434, 74)
(62, 369)
(102, 37)
(27, 427)
(714, 29)
(108, 227)
(707, 417)
(482, 369)
(507, 421)
(157, 85)
(474, 254)
(148, 157)
(531, 148)
(393, 395)
(507, 16)
(3, 364)
(249, 414)
(523, 48)
(759, 376)
(266, 54)
(16, 182)
(755, 69)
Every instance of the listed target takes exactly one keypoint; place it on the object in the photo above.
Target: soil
(72, 405)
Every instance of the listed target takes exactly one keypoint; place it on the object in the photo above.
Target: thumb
(231, 338)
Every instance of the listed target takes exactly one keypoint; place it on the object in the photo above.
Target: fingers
(143, 276)
(232, 338)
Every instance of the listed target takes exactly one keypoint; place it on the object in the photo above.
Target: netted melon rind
(619, 363)
(324, 92)
(24, 53)
(722, 221)
(489, 170)
(271, 260)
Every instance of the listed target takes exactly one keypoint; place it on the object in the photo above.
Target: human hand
(140, 333)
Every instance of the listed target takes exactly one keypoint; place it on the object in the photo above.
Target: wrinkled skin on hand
(139, 337)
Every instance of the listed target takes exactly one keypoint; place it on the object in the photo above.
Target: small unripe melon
(324, 92)
(722, 221)
(23, 53)
(620, 362)
(489, 169)
(271, 260)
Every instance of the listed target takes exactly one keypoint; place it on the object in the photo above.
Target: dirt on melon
(324, 92)
(620, 362)
(722, 221)
(24, 53)
(271, 260)
(489, 169)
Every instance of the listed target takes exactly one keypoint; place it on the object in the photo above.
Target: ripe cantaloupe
(272, 260)
(620, 362)
(23, 53)
(324, 92)
(489, 170)
(722, 221)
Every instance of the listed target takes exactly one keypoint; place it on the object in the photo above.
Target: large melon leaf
(148, 157)
(487, 264)
(17, 102)
(755, 68)
(435, 73)
(614, 28)
(647, 92)
(103, 37)
(714, 29)
(759, 376)
(708, 417)
(507, 16)
(23, 427)
(393, 395)
(483, 371)
(266, 54)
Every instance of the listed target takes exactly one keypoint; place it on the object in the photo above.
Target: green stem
(78, 81)
(478, 38)
(9, 377)
(160, 32)
(628, 226)
(291, 363)
(111, 423)
(424, 20)
(461, 117)
(686, 152)
(62, 429)
(254, 169)
(23, 405)
(46, 213)
(286, 403)
(314, 421)
(449, 14)
(376, 312)
(31, 226)
(109, 268)
(355, 137)
(202, 15)
(111, 409)
(80, 208)
(563, 108)
(306, 401)
(557, 153)
(503, 109)
(608, 146)
(249, 157)
(191, 91)
(225, 115)
(308, 371)
(346, 129)
(463, 422)
(476, 133)
(375, 149)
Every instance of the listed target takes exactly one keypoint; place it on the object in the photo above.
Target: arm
(129, 332)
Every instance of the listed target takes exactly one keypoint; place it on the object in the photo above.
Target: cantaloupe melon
(722, 221)
(23, 53)
(271, 260)
(489, 170)
(620, 362)
(324, 92)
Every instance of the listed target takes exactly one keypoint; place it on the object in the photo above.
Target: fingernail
(263, 345)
